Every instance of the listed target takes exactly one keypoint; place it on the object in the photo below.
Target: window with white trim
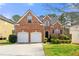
(29, 18)
(47, 23)
(56, 31)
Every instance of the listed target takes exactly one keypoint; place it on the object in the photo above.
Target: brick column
(29, 37)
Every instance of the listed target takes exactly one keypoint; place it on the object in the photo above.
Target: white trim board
(47, 16)
(56, 22)
(26, 14)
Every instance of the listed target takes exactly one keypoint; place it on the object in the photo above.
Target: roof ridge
(5, 19)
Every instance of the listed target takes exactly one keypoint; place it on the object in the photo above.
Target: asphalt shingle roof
(6, 19)
(52, 19)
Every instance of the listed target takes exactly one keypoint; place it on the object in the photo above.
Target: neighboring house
(6, 27)
(74, 31)
(31, 28)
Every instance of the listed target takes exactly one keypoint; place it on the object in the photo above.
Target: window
(29, 18)
(52, 31)
(46, 23)
(56, 31)
(60, 31)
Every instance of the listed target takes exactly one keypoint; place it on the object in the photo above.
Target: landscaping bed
(4, 42)
(61, 49)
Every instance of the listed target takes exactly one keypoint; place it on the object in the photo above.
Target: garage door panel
(23, 37)
(36, 37)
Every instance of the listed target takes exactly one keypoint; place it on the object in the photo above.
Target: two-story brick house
(30, 28)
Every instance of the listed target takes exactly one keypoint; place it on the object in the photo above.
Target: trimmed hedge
(65, 37)
(12, 38)
(61, 36)
(65, 41)
(55, 41)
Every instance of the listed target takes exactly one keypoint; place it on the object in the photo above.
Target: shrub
(45, 40)
(0, 38)
(61, 38)
(54, 36)
(65, 41)
(64, 37)
(12, 38)
(55, 41)
(4, 38)
(49, 39)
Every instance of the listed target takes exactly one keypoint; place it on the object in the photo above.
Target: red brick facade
(47, 28)
(35, 25)
(55, 26)
(52, 27)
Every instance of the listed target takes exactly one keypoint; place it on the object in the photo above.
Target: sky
(10, 9)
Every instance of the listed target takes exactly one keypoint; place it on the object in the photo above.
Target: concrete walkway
(22, 49)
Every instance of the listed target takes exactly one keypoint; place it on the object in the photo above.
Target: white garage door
(75, 37)
(23, 37)
(36, 37)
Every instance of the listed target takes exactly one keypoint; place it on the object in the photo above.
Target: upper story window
(29, 18)
(47, 23)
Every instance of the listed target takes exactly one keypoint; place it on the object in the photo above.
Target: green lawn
(61, 49)
(4, 42)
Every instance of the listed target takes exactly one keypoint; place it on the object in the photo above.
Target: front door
(46, 34)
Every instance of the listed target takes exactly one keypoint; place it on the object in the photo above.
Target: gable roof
(6, 19)
(26, 14)
(48, 17)
(41, 18)
(53, 20)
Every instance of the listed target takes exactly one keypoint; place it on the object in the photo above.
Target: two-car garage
(29, 29)
(26, 37)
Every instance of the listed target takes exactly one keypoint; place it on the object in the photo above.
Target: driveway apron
(22, 49)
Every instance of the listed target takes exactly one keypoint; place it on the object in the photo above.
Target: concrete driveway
(22, 49)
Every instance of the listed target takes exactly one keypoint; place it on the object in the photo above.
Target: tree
(53, 15)
(69, 18)
(16, 17)
(74, 5)
(49, 7)
(65, 17)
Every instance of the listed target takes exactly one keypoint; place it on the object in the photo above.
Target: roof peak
(29, 10)
(47, 16)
